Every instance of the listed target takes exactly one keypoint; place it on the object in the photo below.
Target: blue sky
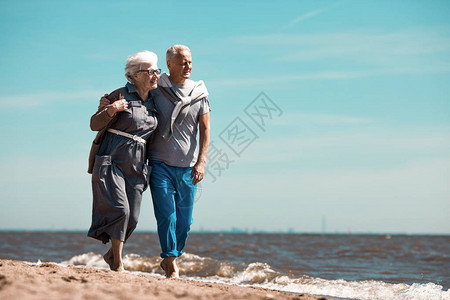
(360, 142)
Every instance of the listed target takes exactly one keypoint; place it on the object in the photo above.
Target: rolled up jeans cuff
(172, 253)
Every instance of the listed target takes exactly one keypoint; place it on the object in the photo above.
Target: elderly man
(183, 109)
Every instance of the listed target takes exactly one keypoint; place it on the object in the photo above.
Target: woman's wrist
(111, 110)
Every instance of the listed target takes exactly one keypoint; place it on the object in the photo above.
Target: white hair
(135, 60)
(174, 50)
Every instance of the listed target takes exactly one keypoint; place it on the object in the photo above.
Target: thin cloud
(359, 46)
(29, 101)
(305, 16)
(322, 119)
(379, 145)
(365, 47)
(367, 53)
(326, 75)
(310, 14)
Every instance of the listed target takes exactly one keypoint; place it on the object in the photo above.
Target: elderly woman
(118, 155)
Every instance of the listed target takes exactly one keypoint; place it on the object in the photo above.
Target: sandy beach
(19, 280)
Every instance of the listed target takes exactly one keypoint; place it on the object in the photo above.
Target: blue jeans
(173, 201)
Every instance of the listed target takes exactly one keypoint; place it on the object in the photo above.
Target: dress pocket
(146, 171)
(101, 165)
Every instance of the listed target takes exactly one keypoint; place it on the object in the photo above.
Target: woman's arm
(105, 114)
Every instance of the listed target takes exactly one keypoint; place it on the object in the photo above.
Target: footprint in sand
(3, 281)
(72, 278)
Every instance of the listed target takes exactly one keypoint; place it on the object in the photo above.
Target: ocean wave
(194, 267)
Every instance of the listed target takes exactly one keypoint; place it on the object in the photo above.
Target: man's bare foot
(170, 267)
(109, 258)
(176, 271)
(163, 266)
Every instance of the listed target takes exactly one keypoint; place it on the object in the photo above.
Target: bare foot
(163, 266)
(119, 268)
(176, 271)
(170, 267)
(109, 258)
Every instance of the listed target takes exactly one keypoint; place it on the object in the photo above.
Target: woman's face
(146, 77)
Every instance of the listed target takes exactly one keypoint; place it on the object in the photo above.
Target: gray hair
(174, 50)
(135, 60)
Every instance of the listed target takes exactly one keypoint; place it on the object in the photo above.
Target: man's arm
(198, 171)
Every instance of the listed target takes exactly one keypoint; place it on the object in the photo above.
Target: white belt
(130, 136)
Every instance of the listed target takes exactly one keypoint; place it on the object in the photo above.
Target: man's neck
(179, 82)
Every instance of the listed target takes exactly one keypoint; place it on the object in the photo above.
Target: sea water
(340, 266)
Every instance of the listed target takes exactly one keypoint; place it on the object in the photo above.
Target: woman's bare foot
(109, 258)
(170, 267)
(116, 246)
(118, 268)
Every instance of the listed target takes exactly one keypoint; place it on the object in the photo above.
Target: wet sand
(19, 280)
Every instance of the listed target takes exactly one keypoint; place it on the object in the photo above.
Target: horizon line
(240, 231)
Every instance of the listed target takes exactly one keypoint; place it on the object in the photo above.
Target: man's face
(180, 67)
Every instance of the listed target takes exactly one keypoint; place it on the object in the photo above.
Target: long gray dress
(120, 174)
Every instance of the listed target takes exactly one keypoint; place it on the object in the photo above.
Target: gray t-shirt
(180, 149)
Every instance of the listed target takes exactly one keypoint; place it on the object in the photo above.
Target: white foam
(370, 290)
(89, 259)
(255, 273)
(262, 275)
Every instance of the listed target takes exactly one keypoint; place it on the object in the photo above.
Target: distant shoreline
(241, 232)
